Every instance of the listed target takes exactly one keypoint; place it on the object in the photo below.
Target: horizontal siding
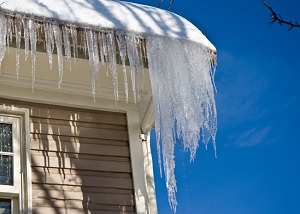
(80, 160)
(100, 198)
(91, 146)
(72, 130)
(79, 211)
(112, 164)
(66, 188)
(74, 207)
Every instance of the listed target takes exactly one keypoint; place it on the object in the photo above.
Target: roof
(110, 14)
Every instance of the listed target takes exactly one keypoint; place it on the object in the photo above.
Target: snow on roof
(110, 14)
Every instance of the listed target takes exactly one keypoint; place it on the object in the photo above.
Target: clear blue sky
(258, 79)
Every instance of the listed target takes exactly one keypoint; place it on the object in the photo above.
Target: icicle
(32, 36)
(18, 30)
(133, 57)
(140, 73)
(104, 49)
(122, 51)
(101, 48)
(74, 42)
(90, 47)
(113, 62)
(84, 42)
(67, 46)
(184, 108)
(141, 54)
(26, 37)
(49, 42)
(58, 43)
(96, 56)
(3, 31)
(9, 31)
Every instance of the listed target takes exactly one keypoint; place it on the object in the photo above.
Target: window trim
(21, 199)
(16, 141)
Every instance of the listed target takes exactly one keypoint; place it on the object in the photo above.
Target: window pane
(6, 170)
(5, 137)
(5, 206)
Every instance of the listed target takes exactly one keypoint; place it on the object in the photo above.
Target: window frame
(20, 192)
(15, 122)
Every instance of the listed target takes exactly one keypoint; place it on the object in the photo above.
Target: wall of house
(80, 160)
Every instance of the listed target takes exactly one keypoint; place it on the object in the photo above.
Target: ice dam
(181, 69)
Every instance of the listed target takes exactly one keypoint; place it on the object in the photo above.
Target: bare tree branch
(277, 18)
(170, 4)
(159, 3)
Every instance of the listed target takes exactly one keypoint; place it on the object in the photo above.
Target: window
(14, 161)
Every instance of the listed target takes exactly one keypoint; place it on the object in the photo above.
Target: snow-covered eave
(107, 14)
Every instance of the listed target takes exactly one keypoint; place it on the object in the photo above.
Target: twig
(170, 4)
(160, 2)
(278, 18)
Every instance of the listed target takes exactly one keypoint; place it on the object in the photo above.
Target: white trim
(141, 161)
(13, 189)
(24, 194)
(148, 120)
(149, 175)
(63, 99)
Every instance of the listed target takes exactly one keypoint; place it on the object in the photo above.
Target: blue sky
(258, 147)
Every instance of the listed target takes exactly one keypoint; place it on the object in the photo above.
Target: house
(74, 131)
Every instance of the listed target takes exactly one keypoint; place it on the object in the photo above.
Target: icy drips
(58, 43)
(67, 45)
(184, 108)
(18, 30)
(32, 36)
(180, 71)
(94, 62)
(2, 37)
(26, 37)
(122, 51)
(49, 40)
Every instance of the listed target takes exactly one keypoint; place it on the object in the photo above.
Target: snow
(109, 14)
(180, 61)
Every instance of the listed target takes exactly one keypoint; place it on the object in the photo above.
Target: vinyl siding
(80, 160)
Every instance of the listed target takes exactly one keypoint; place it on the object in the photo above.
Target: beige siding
(80, 160)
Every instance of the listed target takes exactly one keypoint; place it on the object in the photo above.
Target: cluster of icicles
(181, 75)
(99, 46)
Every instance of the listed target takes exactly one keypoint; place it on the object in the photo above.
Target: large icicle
(183, 95)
